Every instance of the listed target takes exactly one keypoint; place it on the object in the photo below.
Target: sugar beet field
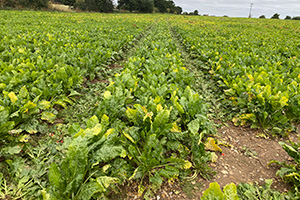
(134, 106)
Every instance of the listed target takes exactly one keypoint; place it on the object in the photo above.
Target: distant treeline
(276, 16)
(34, 4)
(142, 6)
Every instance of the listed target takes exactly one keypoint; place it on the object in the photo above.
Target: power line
(250, 13)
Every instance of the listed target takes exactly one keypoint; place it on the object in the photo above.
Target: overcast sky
(240, 8)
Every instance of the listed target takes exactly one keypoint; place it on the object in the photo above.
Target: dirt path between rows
(244, 159)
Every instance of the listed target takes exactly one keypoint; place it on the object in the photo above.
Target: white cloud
(240, 8)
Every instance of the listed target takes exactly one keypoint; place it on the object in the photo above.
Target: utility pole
(250, 15)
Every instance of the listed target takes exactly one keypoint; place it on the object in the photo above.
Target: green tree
(262, 17)
(160, 5)
(275, 16)
(144, 6)
(178, 10)
(69, 2)
(296, 18)
(130, 5)
(106, 6)
(288, 17)
(95, 5)
(86, 5)
(196, 12)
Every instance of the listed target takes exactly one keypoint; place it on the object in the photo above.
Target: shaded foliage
(94, 5)
(296, 18)
(149, 6)
(275, 16)
(288, 17)
(34, 4)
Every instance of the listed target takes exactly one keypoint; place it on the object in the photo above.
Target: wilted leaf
(175, 128)
(129, 137)
(214, 157)
(187, 164)
(211, 145)
(24, 138)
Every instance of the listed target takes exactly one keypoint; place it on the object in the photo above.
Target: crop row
(44, 57)
(148, 127)
(256, 62)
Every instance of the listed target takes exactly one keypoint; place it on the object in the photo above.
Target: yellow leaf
(93, 131)
(159, 107)
(13, 97)
(105, 120)
(30, 105)
(211, 145)
(2, 86)
(123, 154)
(144, 109)
(179, 107)
(157, 100)
(107, 94)
(44, 105)
(129, 137)
(50, 117)
(109, 132)
(249, 116)
(80, 133)
(214, 157)
(24, 138)
(187, 164)
(175, 128)
(251, 78)
(148, 115)
(106, 167)
(283, 101)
